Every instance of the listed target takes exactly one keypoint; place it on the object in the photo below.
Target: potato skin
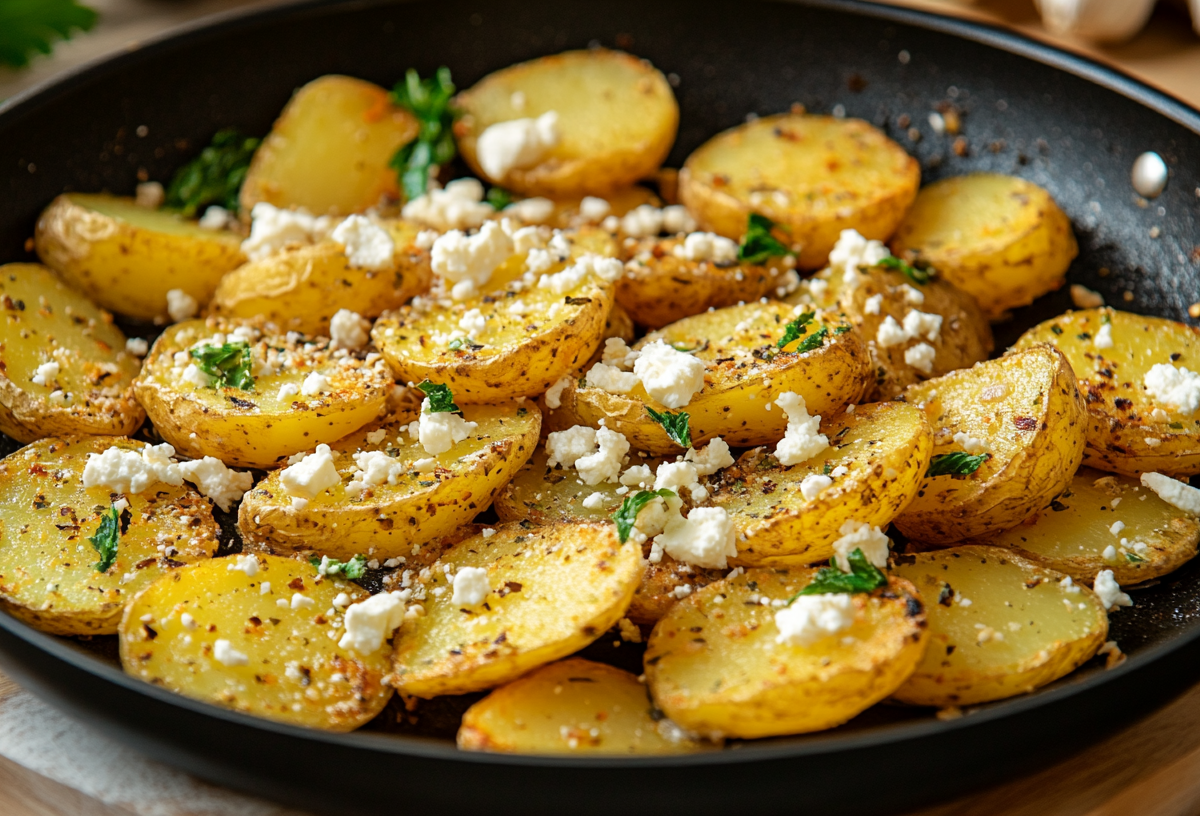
(1000, 238)
(1123, 434)
(1034, 421)
(617, 120)
(126, 258)
(68, 329)
(813, 175)
(965, 664)
(714, 667)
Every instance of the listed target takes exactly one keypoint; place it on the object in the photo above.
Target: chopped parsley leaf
(499, 198)
(228, 364)
(794, 330)
(351, 570)
(215, 176)
(758, 244)
(441, 398)
(676, 426)
(955, 464)
(106, 539)
(627, 513)
(813, 341)
(429, 101)
(862, 577)
(917, 273)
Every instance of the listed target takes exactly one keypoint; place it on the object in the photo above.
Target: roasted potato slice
(616, 122)
(1103, 514)
(302, 287)
(426, 502)
(876, 459)
(960, 339)
(533, 335)
(1129, 428)
(329, 151)
(551, 591)
(662, 284)
(48, 566)
(999, 238)
(126, 257)
(275, 418)
(575, 707)
(1024, 413)
(259, 635)
(813, 175)
(998, 626)
(63, 365)
(715, 665)
(746, 374)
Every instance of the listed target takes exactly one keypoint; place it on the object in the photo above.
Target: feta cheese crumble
(366, 244)
(216, 217)
(803, 439)
(594, 501)
(554, 393)
(593, 210)
(375, 468)
(970, 444)
(811, 618)
(441, 431)
(247, 564)
(713, 457)
(857, 535)
(608, 269)
(1174, 492)
(469, 261)
(470, 587)
(531, 210)
(212, 478)
(45, 374)
(226, 655)
(814, 484)
(273, 228)
(313, 474)
(516, 144)
(921, 357)
(1103, 338)
(136, 346)
(852, 251)
(708, 246)
(314, 384)
(610, 379)
(349, 330)
(1175, 387)
(706, 538)
(605, 464)
(180, 305)
(460, 206)
(369, 623)
(873, 304)
(1109, 591)
(670, 376)
(131, 471)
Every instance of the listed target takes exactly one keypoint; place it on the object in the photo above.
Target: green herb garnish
(842, 328)
(459, 343)
(918, 273)
(1134, 559)
(351, 570)
(429, 101)
(862, 577)
(499, 198)
(686, 349)
(228, 364)
(441, 398)
(627, 513)
(955, 464)
(105, 541)
(813, 341)
(758, 244)
(794, 330)
(31, 26)
(676, 426)
(215, 176)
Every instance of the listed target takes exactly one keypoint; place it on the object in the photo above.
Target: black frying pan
(1059, 120)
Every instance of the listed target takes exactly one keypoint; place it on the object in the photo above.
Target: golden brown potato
(813, 175)
(126, 258)
(1101, 515)
(998, 626)
(616, 121)
(329, 150)
(1025, 415)
(999, 238)
(574, 707)
(48, 565)
(550, 591)
(254, 635)
(63, 365)
(716, 666)
(879, 454)
(1129, 428)
(274, 417)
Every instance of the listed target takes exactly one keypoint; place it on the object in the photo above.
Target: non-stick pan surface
(1058, 120)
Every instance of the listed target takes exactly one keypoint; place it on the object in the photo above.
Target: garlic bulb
(1098, 20)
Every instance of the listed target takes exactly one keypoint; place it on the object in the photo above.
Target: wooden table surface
(60, 768)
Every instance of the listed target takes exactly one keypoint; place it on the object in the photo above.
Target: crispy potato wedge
(280, 659)
(813, 175)
(963, 338)
(617, 119)
(126, 258)
(421, 506)
(43, 321)
(575, 707)
(1149, 537)
(1128, 430)
(302, 287)
(662, 286)
(522, 351)
(328, 152)
(1025, 410)
(999, 238)
(714, 665)
(554, 589)
(998, 626)
(880, 453)
(256, 428)
(746, 374)
(48, 575)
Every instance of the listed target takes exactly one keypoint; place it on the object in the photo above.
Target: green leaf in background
(676, 426)
(213, 177)
(429, 101)
(499, 198)
(758, 244)
(441, 398)
(32, 26)
(106, 539)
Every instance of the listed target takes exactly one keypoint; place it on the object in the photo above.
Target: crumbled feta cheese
(193, 375)
(610, 379)
(593, 210)
(288, 390)
(970, 444)
(1085, 298)
(1069, 585)
(802, 440)
(136, 346)
(1103, 338)
(150, 194)
(839, 471)
(857, 535)
(707, 246)
(554, 393)
(1109, 554)
(531, 210)
(264, 588)
(349, 330)
(670, 376)
(1117, 527)
(369, 623)
(677, 219)
(226, 655)
(1174, 492)
(630, 633)
(706, 538)
(677, 477)
(470, 260)
(890, 333)
(810, 618)
(813, 485)
(608, 269)
(272, 229)
(714, 456)
(921, 357)
(470, 586)
(1178, 388)
(244, 563)
(375, 468)
(311, 475)
(516, 144)
(922, 324)
(216, 217)
(912, 295)
(460, 206)
(852, 251)
(618, 354)
(180, 305)
(45, 374)
(366, 244)
(132, 471)
(605, 464)
(873, 304)
(595, 501)
(567, 447)
(1109, 591)
(441, 431)
(302, 601)
(637, 476)
(644, 221)
(215, 480)
(314, 384)
(473, 323)
(188, 622)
